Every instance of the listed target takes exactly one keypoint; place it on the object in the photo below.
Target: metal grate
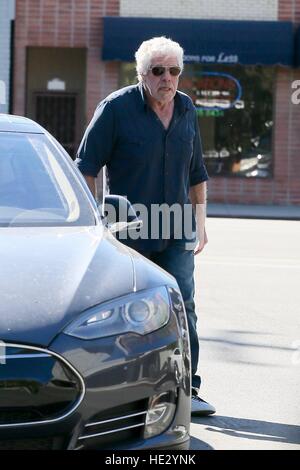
(57, 113)
(121, 424)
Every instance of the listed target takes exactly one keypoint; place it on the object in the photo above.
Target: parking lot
(248, 301)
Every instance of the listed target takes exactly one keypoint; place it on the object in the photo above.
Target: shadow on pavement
(196, 444)
(226, 342)
(251, 429)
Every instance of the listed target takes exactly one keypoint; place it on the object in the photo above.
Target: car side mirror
(119, 214)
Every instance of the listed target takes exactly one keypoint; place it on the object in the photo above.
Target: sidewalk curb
(239, 211)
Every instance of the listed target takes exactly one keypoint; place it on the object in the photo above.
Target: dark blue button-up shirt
(145, 162)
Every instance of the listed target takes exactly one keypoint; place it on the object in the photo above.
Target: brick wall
(289, 10)
(65, 23)
(204, 9)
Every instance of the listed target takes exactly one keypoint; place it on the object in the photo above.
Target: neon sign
(214, 91)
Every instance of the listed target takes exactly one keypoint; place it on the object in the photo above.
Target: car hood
(50, 275)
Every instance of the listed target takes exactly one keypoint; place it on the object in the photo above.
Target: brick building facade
(42, 25)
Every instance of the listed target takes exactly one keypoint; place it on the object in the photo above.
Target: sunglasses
(159, 70)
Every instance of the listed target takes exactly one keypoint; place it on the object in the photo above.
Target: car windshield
(37, 185)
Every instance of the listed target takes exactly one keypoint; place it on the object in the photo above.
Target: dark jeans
(179, 262)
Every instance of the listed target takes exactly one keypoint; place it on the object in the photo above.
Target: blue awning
(204, 41)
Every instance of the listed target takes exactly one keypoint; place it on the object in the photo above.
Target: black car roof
(10, 123)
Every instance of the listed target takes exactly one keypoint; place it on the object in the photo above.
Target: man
(147, 136)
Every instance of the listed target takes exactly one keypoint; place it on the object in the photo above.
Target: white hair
(156, 47)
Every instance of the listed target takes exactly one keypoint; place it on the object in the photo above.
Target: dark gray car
(94, 348)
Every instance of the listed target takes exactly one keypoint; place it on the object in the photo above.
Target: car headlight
(141, 312)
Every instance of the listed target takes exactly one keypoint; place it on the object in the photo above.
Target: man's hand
(201, 243)
(198, 199)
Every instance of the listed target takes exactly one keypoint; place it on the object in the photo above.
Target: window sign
(56, 85)
(215, 91)
(234, 105)
(201, 112)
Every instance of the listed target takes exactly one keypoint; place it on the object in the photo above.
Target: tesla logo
(296, 94)
(2, 353)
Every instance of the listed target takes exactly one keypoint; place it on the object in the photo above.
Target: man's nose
(166, 75)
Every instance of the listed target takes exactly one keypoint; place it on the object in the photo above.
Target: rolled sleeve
(198, 172)
(97, 144)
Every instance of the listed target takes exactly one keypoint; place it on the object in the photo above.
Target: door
(57, 112)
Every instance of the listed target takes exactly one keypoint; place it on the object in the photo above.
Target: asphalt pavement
(248, 301)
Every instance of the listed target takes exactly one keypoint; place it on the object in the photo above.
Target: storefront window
(235, 111)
